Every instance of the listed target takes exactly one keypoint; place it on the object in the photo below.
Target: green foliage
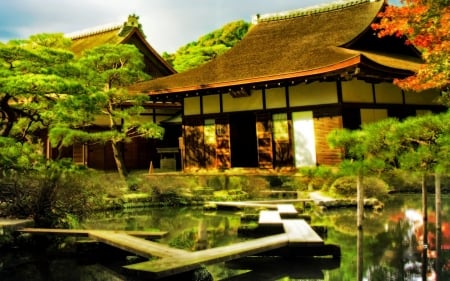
(346, 186)
(18, 157)
(185, 240)
(106, 70)
(34, 74)
(113, 65)
(368, 150)
(424, 143)
(402, 180)
(230, 195)
(167, 196)
(43, 87)
(314, 178)
(57, 194)
(208, 46)
(416, 144)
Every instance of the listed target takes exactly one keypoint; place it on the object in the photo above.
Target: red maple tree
(426, 25)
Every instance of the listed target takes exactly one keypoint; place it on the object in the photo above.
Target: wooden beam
(85, 232)
(138, 246)
(249, 204)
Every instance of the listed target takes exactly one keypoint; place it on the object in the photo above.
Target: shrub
(167, 196)
(58, 195)
(404, 180)
(346, 186)
(312, 178)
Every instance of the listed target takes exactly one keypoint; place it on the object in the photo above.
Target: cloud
(168, 24)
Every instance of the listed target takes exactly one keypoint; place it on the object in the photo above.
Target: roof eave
(381, 72)
(301, 74)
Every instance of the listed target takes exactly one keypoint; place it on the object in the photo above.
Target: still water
(391, 245)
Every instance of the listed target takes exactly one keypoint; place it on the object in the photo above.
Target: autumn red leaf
(426, 25)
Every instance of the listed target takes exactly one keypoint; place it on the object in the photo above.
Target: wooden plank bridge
(293, 232)
(87, 233)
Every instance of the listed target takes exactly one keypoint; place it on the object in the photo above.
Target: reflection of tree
(283, 145)
(283, 154)
(194, 146)
(383, 273)
(345, 222)
(206, 146)
(264, 136)
(302, 153)
(389, 251)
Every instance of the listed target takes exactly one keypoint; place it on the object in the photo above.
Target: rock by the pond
(371, 203)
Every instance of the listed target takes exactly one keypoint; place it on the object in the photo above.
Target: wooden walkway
(297, 233)
(171, 266)
(282, 219)
(135, 245)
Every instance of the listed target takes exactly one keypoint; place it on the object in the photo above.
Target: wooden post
(425, 228)
(182, 151)
(438, 202)
(360, 231)
(201, 242)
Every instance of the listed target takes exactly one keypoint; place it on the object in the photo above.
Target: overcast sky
(168, 24)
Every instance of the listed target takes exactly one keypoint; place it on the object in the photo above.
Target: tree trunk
(437, 186)
(425, 229)
(359, 223)
(8, 116)
(118, 158)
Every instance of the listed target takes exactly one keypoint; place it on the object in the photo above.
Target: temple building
(270, 101)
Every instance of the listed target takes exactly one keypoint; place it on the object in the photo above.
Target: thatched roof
(304, 43)
(121, 33)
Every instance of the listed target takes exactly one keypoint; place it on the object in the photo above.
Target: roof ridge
(94, 30)
(317, 9)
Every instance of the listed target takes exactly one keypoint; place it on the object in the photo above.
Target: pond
(390, 246)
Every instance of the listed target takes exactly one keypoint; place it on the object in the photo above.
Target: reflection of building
(271, 100)
(139, 152)
(410, 225)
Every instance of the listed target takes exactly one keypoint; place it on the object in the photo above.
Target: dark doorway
(351, 118)
(244, 151)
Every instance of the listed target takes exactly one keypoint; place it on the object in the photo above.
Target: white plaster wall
(276, 98)
(211, 104)
(357, 91)
(304, 139)
(192, 106)
(314, 93)
(426, 97)
(388, 93)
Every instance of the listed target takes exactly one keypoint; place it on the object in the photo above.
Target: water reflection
(392, 246)
(276, 268)
(394, 251)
